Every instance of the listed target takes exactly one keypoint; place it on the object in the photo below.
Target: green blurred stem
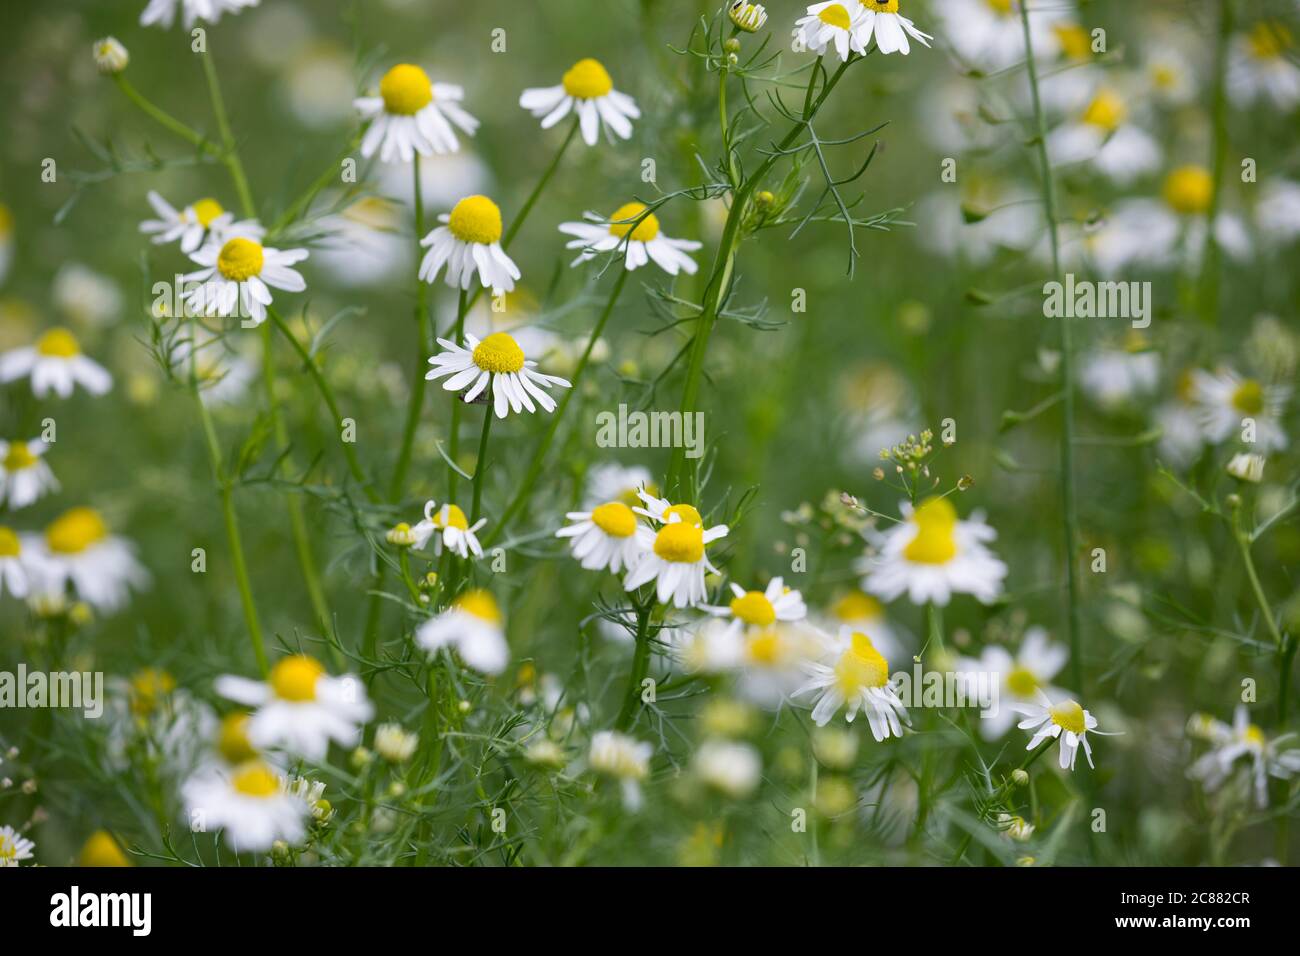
(1286, 643)
(1069, 505)
(421, 346)
(539, 456)
(231, 154)
(453, 436)
(527, 207)
(1211, 257)
(165, 119)
(640, 664)
(480, 464)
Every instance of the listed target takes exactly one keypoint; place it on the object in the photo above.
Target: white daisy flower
(747, 16)
(891, 29)
(474, 628)
(412, 114)
(1225, 401)
(632, 228)
(858, 680)
(24, 475)
(394, 743)
(300, 708)
(1277, 213)
(1067, 721)
(1246, 467)
(85, 296)
(453, 529)
(587, 90)
(1170, 75)
(201, 221)
(14, 572)
(238, 275)
(163, 12)
(837, 23)
(55, 364)
(1243, 739)
(14, 847)
(1020, 676)
(709, 646)
(469, 242)
(1103, 137)
(761, 608)
(1116, 377)
(604, 537)
(988, 34)
(675, 560)
(1261, 67)
(611, 481)
(932, 555)
(860, 611)
(733, 769)
(249, 802)
(497, 361)
(624, 758)
(1179, 421)
(78, 547)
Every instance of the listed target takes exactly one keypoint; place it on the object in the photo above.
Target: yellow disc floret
(499, 354)
(622, 222)
(836, 16)
(58, 343)
(240, 259)
(857, 606)
(1022, 682)
(615, 519)
(295, 678)
(18, 457)
(406, 90)
(587, 80)
(688, 513)
(754, 608)
(76, 530)
(1248, 397)
(1074, 39)
(680, 542)
(1106, 111)
(10, 546)
(255, 779)
(476, 219)
(882, 6)
(1068, 715)
(481, 604)
(1269, 39)
(861, 667)
(1189, 189)
(149, 687)
(232, 740)
(455, 518)
(206, 211)
(100, 849)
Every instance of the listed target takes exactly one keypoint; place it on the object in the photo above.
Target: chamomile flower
(238, 275)
(78, 548)
(747, 16)
(604, 537)
(624, 758)
(497, 361)
(1277, 213)
(452, 528)
(1228, 404)
(932, 555)
(858, 680)
(1020, 676)
(988, 33)
(1115, 377)
(24, 475)
(469, 242)
(611, 481)
(1067, 721)
(249, 802)
(761, 608)
(394, 743)
(733, 769)
(14, 847)
(300, 708)
(1103, 136)
(163, 12)
(14, 572)
(1266, 758)
(201, 221)
(860, 611)
(55, 364)
(587, 90)
(890, 28)
(1261, 67)
(633, 228)
(836, 23)
(675, 558)
(474, 628)
(412, 114)
(1181, 439)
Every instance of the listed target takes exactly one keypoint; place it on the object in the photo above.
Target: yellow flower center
(101, 849)
(58, 343)
(882, 6)
(256, 779)
(476, 219)
(1001, 6)
(680, 542)
(18, 457)
(1269, 39)
(1189, 189)
(621, 222)
(1254, 735)
(481, 604)
(615, 519)
(455, 518)
(240, 259)
(857, 606)
(1074, 39)
(587, 80)
(934, 544)
(206, 211)
(1068, 715)
(232, 740)
(1022, 682)
(836, 16)
(754, 608)
(861, 667)
(294, 678)
(765, 647)
(148, 687)
(10, 546)
(75, 530)
(406, 90)
(1248, 398)
(687, 513)
(499, 354)
(1106, 111)
(1164, 76)
(935, 511)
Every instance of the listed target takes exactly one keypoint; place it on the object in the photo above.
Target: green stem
(453, 435)
(1243, 545)
(231, 156)
(1069, 510)
(165, 119)
(527, 207)
(480, 464)
(640, 664)
(1210, 258)
(422, 345)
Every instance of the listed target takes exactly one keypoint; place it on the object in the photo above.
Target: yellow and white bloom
(1246, 467)
(1116, 377)
(14, 573)
(163, 12)
(588, 91)
(1021, 676)
(1266, 758)
(300, 708)
(988, 33)
(637, 231)
(1261, 67)
(761, 608)
(733, 769)
(1067, 721)
(860, 611)
(412, 114)
(201, 221)
(78, 548)
(624, 758)
(747, 16)
(110, 55)
(1103, 136)
(452, 528)
(1228, 404)
(24, 475)
(857, 680)
(394, 743)
(1277, 213)
(497, 361)
(889, 27)
(469, 242)
(836, 23)
(14, 847)
(55, 364)
(474, 628)
(674, 556)
(249, 802)
(611, 481)
(932, 555)
(238, 275)
(604, 537)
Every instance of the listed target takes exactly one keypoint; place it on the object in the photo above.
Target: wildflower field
(649, 432)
